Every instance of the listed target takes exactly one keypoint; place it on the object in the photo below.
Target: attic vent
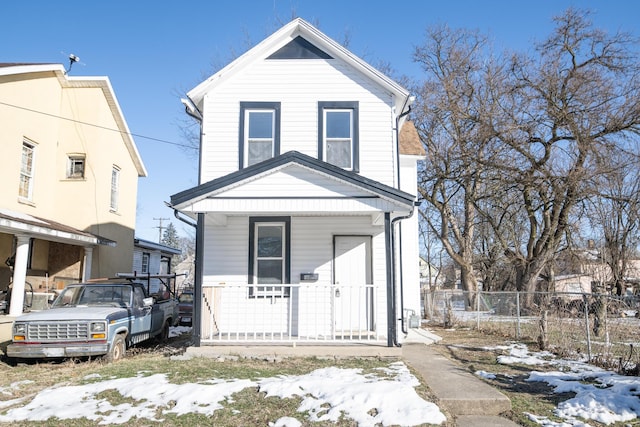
(299, 48)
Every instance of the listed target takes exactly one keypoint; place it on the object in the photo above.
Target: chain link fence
(600, 328)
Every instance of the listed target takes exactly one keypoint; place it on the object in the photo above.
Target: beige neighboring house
(69, 172)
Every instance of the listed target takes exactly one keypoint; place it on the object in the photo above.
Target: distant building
(152, 258)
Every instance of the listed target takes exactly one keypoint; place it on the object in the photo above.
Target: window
(259, 132)
(75, 166)
(269, 258)
(338, 134)
(145, 262)
(26, 170)
(115, 184)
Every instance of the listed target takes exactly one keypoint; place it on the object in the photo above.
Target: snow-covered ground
(600, 395)
(327, 393)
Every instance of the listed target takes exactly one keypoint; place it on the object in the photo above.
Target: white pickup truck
(99, 318)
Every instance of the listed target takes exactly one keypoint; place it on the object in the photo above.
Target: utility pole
(160, 228)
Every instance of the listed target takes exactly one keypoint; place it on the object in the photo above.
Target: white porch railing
(241, 313)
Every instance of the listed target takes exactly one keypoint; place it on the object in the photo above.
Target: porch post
(86, 263)
(19, 275)
(196, 330)
(391, 306)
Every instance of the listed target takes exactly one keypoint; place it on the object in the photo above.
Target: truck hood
(73, 313)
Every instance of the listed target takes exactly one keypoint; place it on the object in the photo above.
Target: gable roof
(103, 83)
(203, 191)
(314, 41)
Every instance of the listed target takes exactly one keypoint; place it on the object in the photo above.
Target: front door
(353, 295)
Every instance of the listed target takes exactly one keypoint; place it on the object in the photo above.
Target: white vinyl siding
(227, 264)
(299, 85)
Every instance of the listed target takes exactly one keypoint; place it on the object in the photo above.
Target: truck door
(141, 317)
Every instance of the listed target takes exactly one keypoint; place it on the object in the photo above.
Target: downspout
(400, 258)
(394, 278)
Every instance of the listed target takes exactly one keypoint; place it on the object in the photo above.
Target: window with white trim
(25, 190)
(338, 134)
(269, 259)
(146, 256)
(75, 166)
(115, 188)
(259, 132)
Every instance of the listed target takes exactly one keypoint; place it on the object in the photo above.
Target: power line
(164, 141)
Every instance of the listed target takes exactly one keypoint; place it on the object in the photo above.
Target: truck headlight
(98, 330)
(19, 332)
(98, 326)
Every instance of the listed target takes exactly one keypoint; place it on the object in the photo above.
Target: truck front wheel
(117, 350)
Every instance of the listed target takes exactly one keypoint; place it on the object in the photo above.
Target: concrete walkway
(471, 401)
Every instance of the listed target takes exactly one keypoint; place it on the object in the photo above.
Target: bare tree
(516, 147)
(577, 101)
(453, 117)
(614, 214)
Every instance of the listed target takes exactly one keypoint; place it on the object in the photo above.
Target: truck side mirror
(147, 302)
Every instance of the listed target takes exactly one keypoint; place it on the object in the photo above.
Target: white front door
(352, 298)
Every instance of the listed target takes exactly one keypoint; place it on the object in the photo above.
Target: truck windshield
(111, 295)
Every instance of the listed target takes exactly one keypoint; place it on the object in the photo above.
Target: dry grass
(248, 408)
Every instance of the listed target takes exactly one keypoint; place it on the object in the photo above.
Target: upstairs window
(75, 166)
(115, 188)
(259, 132)
(26, 170)
(338, 134)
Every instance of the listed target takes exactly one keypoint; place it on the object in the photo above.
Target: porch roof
(293, 182)
(12, 222)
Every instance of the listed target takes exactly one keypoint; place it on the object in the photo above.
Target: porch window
(269, 258)
(26, 170)
(338, 134)
(259, 132)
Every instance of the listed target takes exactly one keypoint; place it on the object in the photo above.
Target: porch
(302, 313)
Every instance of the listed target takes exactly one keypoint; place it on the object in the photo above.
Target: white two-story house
(305, 209)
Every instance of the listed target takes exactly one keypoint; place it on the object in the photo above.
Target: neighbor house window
(145, 262)
(26, 170)
(115, 188)
(259, 132)
(269, 258)
(75, 166)
(338, 134)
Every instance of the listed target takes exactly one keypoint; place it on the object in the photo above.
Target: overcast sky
(153, 52)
